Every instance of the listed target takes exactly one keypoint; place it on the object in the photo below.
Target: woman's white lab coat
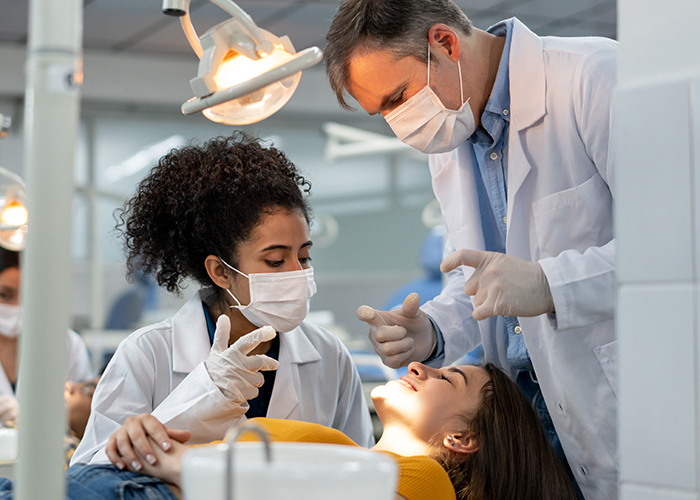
(559, 214)
(160, 369)
(79, 367)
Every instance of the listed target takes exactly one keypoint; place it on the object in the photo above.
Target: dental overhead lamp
(13, 203)
(245, 73)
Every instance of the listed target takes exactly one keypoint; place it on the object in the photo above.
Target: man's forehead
(377, 74)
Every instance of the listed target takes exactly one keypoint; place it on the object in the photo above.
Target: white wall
(657, 190)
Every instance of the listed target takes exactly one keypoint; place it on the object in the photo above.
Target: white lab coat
(160, 369)
(79, 367)
(559, 214)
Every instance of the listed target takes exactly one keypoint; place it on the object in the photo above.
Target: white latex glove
(235, 373)
(402, 335)
(502, 284)
(9, 408)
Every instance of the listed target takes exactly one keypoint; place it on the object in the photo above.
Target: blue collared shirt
(489, 144)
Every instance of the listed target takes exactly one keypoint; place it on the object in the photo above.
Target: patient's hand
(144, 433)
(168, 464)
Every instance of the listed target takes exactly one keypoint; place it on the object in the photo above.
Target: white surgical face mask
(280, 300)
(9, 320)
(424, 123)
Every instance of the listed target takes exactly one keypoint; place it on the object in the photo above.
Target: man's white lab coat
(560, 214)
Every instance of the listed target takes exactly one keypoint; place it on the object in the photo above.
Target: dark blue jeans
(104, 482)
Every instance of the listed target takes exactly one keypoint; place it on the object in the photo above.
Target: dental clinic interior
(106, 105)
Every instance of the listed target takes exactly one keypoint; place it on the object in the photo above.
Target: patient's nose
(418, 369)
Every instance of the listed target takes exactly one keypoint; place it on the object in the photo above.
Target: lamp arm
(262, 44)
(190, 33)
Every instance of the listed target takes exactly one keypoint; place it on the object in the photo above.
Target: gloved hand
(9, 408)
(502, 284)
(235, 373)
(402, 335)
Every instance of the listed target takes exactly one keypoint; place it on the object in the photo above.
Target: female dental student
(231, 215)
(79, 368)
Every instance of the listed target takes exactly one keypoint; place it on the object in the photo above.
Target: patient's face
(280, 243)
(429, 400)
(78, 397)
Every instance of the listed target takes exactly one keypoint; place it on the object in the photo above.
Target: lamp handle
(263, 45)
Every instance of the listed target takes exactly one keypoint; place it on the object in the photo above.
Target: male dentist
(518, 131)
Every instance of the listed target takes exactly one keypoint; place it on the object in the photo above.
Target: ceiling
(137, 26)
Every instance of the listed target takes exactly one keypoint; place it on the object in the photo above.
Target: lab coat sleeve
(583, 284)
(352, 416)
(198, 406)
(452, 312)
(79, 367)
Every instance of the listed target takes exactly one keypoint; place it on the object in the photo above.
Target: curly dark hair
(205, 200)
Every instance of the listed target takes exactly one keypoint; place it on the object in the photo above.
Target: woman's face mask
(10, 320)
(424, 123)
(280, 300)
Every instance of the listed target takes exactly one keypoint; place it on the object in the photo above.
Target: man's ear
(461, 443)
(443, 38)
(219, 274)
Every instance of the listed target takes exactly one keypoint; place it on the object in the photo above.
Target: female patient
(473, 421)
(231, 215)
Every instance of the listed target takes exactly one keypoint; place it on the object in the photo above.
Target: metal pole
(52, 105)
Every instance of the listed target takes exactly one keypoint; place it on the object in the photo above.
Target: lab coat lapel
(295, 349)
(527, 97)
(5, 386)
(191, 343)
(455, 189)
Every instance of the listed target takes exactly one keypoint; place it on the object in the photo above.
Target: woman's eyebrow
(457, 370)
(285, 247)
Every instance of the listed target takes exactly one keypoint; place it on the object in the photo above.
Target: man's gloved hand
(502, 284)
(402, 335)
(235, 373)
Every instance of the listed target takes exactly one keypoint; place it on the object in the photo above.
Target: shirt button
(561, 406)
(505, 112)
(584, 471)
(518, 330)
(494, 156)
(505, 219)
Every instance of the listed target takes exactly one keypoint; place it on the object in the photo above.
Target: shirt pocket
(576, 218)
(607, 357)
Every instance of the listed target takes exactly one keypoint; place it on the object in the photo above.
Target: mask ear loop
(229, 291)
(461, 89)
(428, 63)
(459, 71)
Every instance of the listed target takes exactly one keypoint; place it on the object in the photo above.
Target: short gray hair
(401, 26)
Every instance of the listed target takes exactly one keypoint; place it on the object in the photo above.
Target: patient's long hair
(514, 460)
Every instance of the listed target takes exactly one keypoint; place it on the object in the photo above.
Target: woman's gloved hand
(9, 408)
(402, 335)
(502, 284)
(236, 374)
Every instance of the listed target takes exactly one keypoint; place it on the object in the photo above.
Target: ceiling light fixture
(245, 73)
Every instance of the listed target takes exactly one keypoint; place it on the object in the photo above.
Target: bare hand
(168, 464)
(134, 436)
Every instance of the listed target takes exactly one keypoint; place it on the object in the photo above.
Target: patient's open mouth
(407, 383)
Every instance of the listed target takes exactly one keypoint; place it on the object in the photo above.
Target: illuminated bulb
(14, 214)
(236, 68)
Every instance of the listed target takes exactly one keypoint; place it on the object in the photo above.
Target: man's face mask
(280, 300)
(425, 124)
